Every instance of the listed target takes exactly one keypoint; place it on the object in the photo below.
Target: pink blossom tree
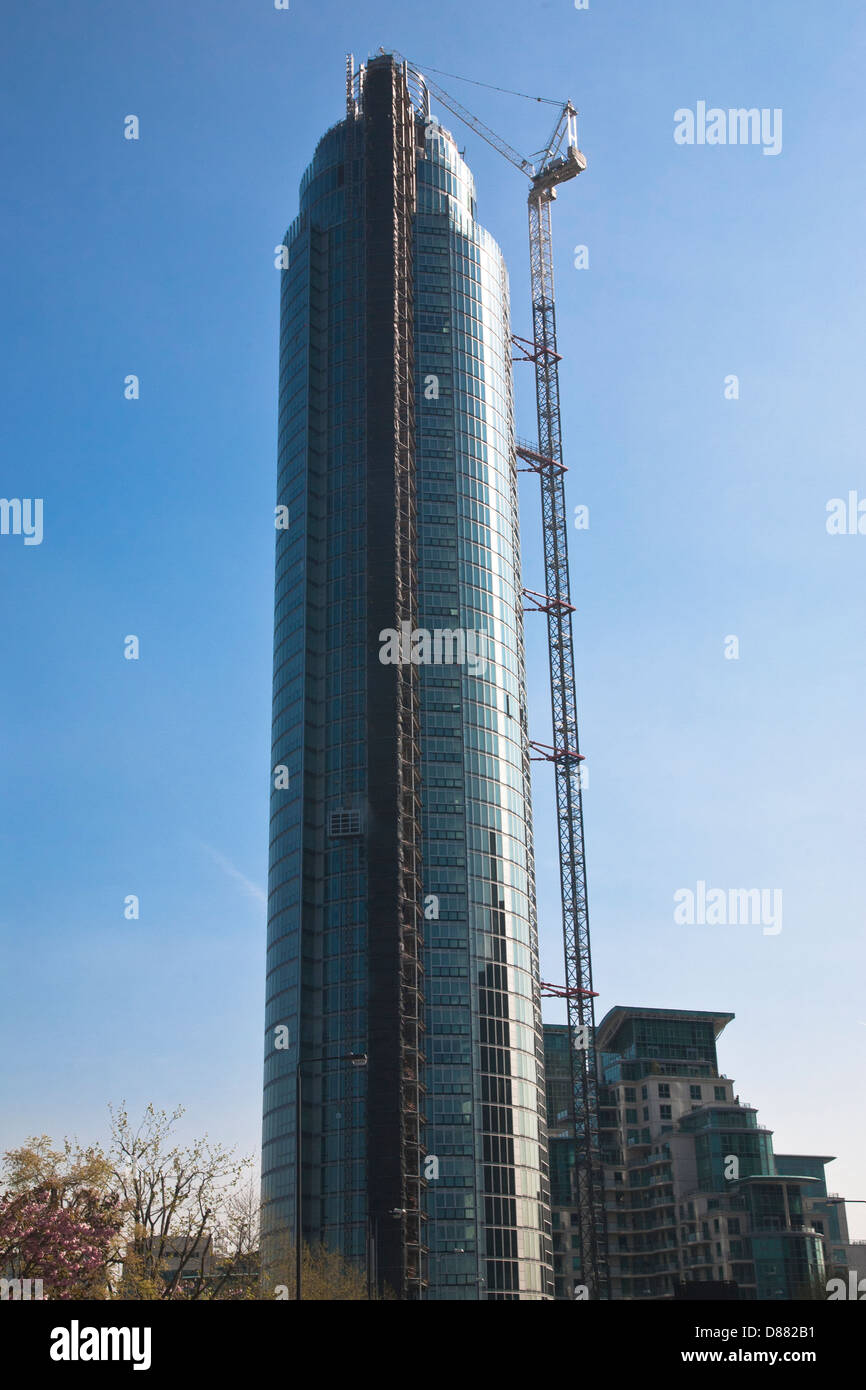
(68, 1246)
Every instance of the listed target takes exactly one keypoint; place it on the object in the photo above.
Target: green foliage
(326, 1276)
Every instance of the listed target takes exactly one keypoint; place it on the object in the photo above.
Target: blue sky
(707, 519)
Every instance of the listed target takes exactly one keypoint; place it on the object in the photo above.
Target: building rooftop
(620, 1014)
(819, 1158)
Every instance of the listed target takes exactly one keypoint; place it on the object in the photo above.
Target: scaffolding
(395, 969)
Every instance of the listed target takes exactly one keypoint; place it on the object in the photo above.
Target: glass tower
(401, 899)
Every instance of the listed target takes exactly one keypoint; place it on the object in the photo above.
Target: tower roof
(621, 1014)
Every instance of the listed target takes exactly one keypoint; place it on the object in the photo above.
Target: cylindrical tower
(401, 898)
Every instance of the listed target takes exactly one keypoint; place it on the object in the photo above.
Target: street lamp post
(358, 1059)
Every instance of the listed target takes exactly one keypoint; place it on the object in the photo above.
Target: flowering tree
(67, 1245)
(176, 1220)
(150, 1218)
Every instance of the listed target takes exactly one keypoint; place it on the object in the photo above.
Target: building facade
(693, 1190)
(402, 920)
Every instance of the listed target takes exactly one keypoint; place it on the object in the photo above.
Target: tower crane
(559, 161)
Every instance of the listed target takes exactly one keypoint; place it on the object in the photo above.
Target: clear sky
(707, 520)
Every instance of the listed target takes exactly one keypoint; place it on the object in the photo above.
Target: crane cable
(507, 90)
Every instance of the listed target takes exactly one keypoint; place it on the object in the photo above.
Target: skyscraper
(401, 897)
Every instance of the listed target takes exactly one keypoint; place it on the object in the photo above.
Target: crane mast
(546, 171)
(565, 753)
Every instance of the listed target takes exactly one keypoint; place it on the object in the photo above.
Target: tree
(64, 1240)
(174, 1199)
(151, 1219)
(326, 1275)
(37, 1164)
(166, 1220)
